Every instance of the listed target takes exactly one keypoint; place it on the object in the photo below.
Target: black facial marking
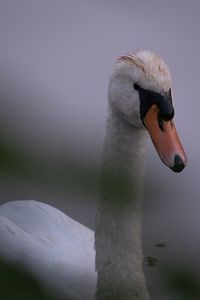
(163, 101)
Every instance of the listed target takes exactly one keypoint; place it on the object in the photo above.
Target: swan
(69, 258)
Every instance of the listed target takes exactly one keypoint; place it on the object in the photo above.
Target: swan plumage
(60, 251)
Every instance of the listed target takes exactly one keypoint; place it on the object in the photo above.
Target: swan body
(59, 251)
(56, 249)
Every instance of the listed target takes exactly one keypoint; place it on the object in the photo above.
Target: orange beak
(165, 140)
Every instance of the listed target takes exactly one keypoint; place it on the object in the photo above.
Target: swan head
(140, 91)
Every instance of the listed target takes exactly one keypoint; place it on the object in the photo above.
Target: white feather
(56, 249)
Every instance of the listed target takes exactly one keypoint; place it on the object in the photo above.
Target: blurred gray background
(55, 61)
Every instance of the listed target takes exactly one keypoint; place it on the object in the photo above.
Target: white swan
(58, 250)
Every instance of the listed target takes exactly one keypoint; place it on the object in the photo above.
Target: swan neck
(118, 222)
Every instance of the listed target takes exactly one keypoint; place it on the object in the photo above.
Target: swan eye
(136, 86)
(170, 95)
